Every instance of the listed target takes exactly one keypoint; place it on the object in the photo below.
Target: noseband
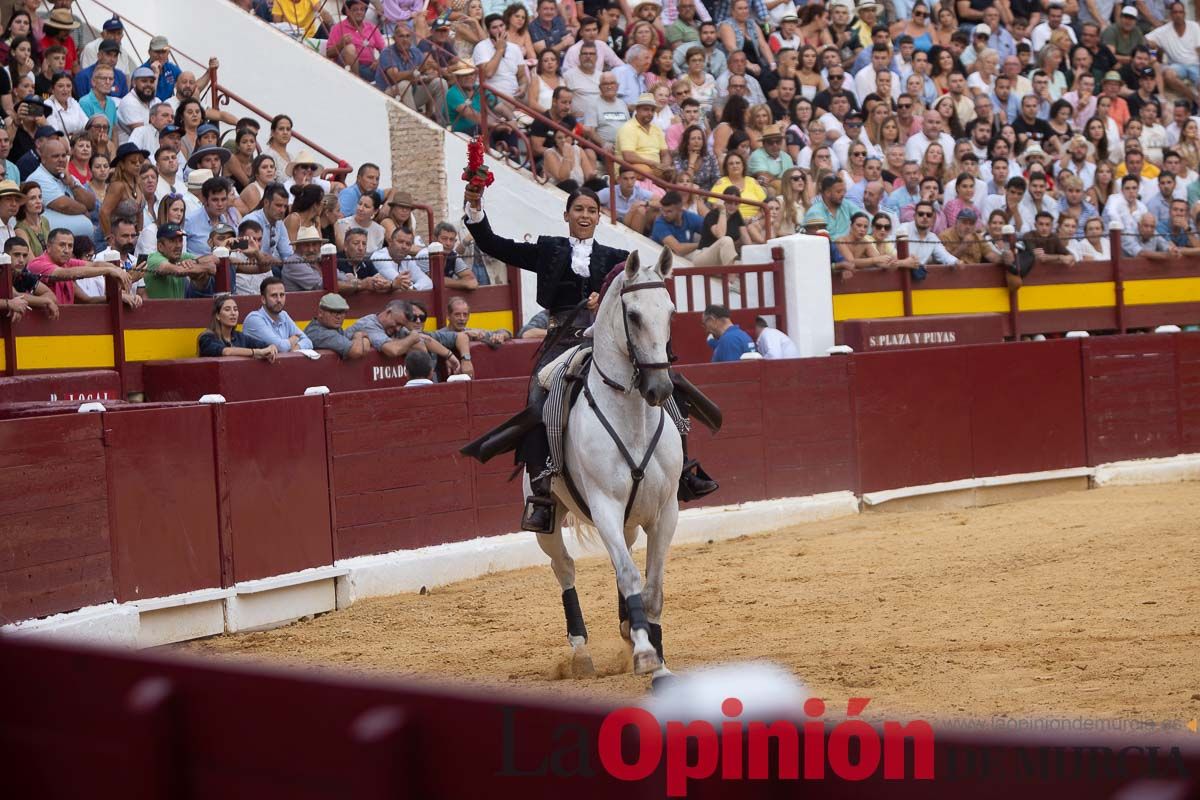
(638, 365)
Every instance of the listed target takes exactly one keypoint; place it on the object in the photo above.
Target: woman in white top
(568, 163)
(364, 217)
(66, 115)
(543, 81)
(1094, 244)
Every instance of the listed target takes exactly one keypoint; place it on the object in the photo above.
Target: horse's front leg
(658, 544)
(564, 569)
(609, 520)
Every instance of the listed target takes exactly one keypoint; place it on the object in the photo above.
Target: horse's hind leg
(564, 569)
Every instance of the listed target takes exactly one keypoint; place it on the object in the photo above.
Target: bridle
(638, 365)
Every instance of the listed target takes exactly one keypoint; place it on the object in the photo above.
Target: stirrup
(539, 514)
(694, 482)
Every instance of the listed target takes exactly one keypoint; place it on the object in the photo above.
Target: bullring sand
(1082, 603)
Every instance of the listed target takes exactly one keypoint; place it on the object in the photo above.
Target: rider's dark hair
(583, 192)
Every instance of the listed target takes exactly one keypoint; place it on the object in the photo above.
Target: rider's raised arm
(518, 254)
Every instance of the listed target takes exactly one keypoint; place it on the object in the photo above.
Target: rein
(638, 365)
(637, 470)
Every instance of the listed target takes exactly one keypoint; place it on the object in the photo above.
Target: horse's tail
(587, 534)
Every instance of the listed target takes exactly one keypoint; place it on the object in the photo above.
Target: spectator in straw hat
(303, 170)
(769, 162)
(11, 199)
(194, 197)
(641, 143)
(59, 26)
(302, 273)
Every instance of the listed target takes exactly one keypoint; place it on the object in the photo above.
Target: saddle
(505, 437)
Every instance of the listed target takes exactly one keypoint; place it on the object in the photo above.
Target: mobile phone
(238, 244)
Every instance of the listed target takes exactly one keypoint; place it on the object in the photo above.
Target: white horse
(624, 455)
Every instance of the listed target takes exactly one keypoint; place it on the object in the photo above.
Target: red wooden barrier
(1132, 397)
(398, 479)
(497, 498)
(162, 500)
(54, 531)
(735, 455)
(89, 723)
(273, 454)
(1187, 371)
(912, 409)
(61, 386)
(1026, 407)
(200, 496)
(809, 446)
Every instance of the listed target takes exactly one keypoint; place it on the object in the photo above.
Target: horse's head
(638, 319)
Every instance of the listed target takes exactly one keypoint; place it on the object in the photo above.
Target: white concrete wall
(333, 108)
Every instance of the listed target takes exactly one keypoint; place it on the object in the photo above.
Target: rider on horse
(571, 275)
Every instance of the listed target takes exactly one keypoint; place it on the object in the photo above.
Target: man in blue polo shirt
(680, 230)
(728, 341)
(108, 54)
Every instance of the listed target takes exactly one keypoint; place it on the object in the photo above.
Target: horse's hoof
(581, 664)
(644, 663)
(625, 631)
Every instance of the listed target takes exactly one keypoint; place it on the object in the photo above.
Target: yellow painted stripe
(64, 352)
(1068, 295)
(1167, 290)
(158, 344)
(959, 301)
(868, 305)
(3, 362)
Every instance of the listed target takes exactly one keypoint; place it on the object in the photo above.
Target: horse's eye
(635, 318)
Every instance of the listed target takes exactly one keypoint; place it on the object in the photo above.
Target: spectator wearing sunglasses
(924, 246)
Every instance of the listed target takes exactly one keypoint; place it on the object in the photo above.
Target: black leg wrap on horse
(575, 626)
(637, 613)
(656, 639)
(622, 607)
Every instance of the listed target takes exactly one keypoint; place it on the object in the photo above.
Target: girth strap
(637, 471)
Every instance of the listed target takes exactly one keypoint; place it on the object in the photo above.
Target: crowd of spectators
(103, 150)
(946, 122)
(949, 124)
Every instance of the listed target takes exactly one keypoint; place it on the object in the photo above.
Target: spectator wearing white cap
(160, 62)
(112, 31)
(133, 110)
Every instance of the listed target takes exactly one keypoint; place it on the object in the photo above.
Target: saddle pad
(573, 358)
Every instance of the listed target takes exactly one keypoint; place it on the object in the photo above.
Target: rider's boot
(539, 506)
(694, 482)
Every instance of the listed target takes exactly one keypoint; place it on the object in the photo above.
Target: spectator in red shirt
(58, 29)
(354, 41)
(57, 262)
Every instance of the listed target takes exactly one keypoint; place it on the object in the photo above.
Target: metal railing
(609, 158)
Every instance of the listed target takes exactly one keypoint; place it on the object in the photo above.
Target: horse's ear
(633, 265)
(666, 261)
